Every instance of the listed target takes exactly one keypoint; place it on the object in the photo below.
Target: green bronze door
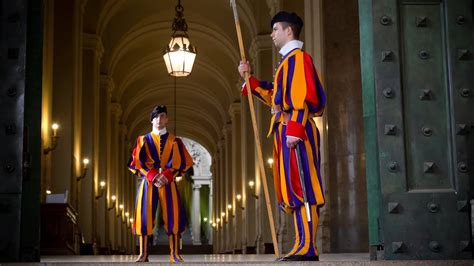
(423, 72)
(20, 129)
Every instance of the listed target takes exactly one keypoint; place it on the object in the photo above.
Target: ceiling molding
(156, 89)
(141, 32)
(154, 60)
(107, 13)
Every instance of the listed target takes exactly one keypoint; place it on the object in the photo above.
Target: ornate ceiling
(134, 34)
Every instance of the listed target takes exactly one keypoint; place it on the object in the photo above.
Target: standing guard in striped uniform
(295, 96)
(158, 157)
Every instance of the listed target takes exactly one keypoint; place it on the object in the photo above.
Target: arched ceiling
(134, 34)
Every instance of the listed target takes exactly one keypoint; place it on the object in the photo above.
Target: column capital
(220, 145)
(107, 83)
(259, 43)
(93, 42)
(234, 109)
(226, 129)
(197, 186)
(116, 110)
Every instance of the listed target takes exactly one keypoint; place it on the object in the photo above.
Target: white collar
(159, 131)
(289, 46)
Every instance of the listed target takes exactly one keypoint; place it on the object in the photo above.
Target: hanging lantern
(180, 54)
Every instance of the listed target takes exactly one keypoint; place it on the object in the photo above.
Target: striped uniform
(296, 95)
(152, 152)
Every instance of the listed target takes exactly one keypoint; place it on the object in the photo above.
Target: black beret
(158, 109)
(284, 16)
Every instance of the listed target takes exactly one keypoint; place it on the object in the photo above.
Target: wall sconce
(223, 217)
(252, 185)
(85, 162)
(114, 203)
(131, 220)
(204, 219)
(101, 190)
(120, 210)
(214, 224)
(126, 217)
(218, 220)
(239, 199)
(54, 139)
(229, 207)
(270, 162)
(48, 192)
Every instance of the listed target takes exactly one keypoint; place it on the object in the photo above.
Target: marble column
(235, 213)
(262, 58)
(221, 202)
(107, 86)
(314, 45)
(248, 174)
(67, 96)
(215, 192)
(227, 131)
(123, 191)
(347, 195)
(196, 215)
(116, 112)
(211, 207)
(47, 95)
(92, 54)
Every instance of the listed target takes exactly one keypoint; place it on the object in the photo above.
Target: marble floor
(346, 259)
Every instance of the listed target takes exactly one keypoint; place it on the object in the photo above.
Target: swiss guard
(295, 97)
(158, 157)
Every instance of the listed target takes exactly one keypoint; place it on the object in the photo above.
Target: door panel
(12, 80)
(424, 80)
(424, 98)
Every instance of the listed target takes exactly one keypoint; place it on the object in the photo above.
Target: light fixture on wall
(239, 200)
(270, 162)
(114, 203)
(54, 139)
(251, 184)
(179, 54)
(85, 164)
(252, 188)
(119, 213)
(127, 214)
(101, 190)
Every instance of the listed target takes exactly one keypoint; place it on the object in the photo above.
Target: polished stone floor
(346, 259)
